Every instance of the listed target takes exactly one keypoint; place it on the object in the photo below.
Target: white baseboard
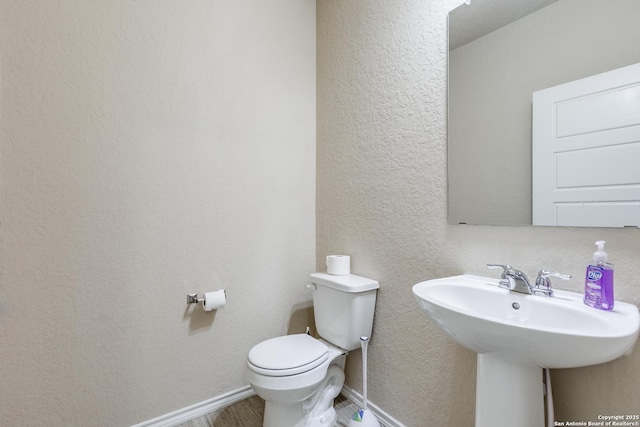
(199, 409)
(224, 400)
(384, 418)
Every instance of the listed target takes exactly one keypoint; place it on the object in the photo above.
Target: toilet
(298, 375)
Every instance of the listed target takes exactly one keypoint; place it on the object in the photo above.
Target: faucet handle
(544, 274)
(543, 283)
(505, 268)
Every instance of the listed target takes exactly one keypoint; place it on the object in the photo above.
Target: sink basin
(557, 332)
(516, 335)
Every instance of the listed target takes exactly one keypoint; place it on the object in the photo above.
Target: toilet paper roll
(339, 265)
(214, 300)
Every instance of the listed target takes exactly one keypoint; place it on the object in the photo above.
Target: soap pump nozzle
(600, 256)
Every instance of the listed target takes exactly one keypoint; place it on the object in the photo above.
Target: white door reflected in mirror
(586, 151)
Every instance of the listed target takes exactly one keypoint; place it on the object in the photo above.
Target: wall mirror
(500, 53)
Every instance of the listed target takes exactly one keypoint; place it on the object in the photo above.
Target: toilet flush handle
(312, 286)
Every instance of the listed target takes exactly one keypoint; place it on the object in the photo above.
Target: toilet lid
(287, 355)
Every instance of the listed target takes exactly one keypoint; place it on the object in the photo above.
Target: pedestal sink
(516, 335)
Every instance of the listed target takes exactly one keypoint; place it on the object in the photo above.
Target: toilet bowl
(298, 375)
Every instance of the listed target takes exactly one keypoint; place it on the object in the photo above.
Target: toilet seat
(287, 355)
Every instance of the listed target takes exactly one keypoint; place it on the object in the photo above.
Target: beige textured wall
(149, 149)
(381, 198)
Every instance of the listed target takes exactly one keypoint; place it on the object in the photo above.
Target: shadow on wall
(302, 315)
(198, 318)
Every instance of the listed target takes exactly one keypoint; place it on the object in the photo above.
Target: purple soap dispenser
(598, 284)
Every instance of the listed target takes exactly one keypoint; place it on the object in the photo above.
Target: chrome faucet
(512, 279)
(543, 283)
(517, 281)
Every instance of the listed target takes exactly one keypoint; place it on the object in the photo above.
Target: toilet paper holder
(193, 299)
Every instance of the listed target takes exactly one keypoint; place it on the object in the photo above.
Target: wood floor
(249, 413)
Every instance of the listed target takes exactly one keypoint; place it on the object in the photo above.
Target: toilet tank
(343, 308)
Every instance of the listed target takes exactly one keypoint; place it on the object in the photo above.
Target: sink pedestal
(509, 392)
